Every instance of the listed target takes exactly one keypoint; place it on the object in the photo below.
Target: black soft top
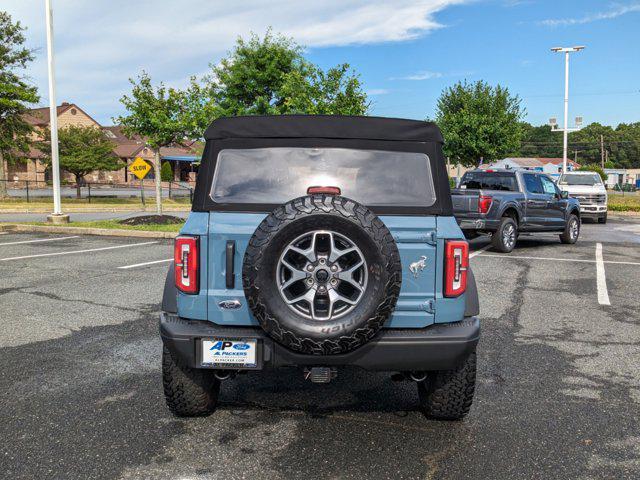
(324, 126)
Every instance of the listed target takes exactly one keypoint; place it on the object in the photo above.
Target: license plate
(230, 353)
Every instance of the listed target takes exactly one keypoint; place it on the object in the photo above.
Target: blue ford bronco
(318, 242)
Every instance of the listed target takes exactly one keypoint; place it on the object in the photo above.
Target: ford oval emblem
(241, 346)
(230, 304)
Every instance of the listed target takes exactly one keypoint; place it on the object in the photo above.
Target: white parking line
(478, 252)
(39, 240)
(145, 263)
(70, 252)
(557, 259)
(601, 279)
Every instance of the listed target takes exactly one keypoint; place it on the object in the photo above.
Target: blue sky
(406, 51)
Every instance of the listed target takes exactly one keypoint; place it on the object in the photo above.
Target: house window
(73, 111)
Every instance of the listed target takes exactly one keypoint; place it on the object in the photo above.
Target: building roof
(324, 126)
(40, 116)
(538, 161)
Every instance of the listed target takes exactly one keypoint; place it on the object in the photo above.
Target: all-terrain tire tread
(448, 394)
(189, 392)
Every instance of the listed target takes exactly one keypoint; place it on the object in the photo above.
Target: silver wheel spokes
(573, 229)
(322, 275)
(508, 236)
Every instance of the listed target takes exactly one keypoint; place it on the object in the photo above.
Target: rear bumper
(437, 347)
(482, 224)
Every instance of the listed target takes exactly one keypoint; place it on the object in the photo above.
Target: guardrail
(30, 190)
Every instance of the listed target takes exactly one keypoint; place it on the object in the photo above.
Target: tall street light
(57, 216)
(566, 129)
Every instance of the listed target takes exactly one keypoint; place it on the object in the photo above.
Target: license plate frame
(206, 361)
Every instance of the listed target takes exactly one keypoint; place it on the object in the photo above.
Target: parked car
(505, 203)
(590, 190)
(318, 242)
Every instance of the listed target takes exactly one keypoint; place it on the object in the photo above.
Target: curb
(108, 232)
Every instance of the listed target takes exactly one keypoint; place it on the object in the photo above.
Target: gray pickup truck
(504, 203)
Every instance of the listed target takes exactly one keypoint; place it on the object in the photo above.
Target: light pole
(57, 216)
(566, 129)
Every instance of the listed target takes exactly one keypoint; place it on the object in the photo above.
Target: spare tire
(322, 274)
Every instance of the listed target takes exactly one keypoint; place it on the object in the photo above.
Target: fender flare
(170, 293)
(471, 301)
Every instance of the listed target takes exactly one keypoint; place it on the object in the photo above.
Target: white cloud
(422, 75)
(615, 12)
(100, 44)
(377, 91)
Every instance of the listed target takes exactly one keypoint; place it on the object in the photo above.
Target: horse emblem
(417, 267)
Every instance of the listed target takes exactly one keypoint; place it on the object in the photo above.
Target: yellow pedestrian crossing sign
(139, 168)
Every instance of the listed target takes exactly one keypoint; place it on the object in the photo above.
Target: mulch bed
(152, 220)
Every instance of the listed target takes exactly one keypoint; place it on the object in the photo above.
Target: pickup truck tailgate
(464, 201)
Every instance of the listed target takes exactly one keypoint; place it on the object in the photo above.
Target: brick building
(34, 169)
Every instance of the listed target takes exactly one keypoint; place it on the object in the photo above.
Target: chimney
(64, 104)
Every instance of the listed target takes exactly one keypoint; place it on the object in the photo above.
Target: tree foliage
(84, 149)
(16, 94)
(479, 121)
(166, 174)
(164, 116)
(270, 76)
(621, 144)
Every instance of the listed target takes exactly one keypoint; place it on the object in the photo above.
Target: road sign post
(139, 167)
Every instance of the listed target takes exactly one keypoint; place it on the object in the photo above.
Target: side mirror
(564, 195)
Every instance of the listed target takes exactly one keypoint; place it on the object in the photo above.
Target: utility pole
(57, 216)
(566, 129)
(602, 150)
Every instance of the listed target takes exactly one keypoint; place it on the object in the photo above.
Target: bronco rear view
(318, 242)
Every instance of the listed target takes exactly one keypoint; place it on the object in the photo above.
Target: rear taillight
(456, 263)
(484, 203)
(186, 257)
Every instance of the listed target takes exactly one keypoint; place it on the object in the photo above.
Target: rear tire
(448, 394)
(602, 218)
(504, 239)
(571, 230)
(189, 392)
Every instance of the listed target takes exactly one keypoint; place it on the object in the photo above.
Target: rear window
(489, 181)
(277, 175)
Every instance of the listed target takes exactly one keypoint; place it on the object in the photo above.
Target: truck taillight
(484, 203)
(186, 257)
(456, 263)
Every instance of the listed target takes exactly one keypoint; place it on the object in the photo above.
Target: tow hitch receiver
(320, 374)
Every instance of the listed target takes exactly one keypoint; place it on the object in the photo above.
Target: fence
(31, 190)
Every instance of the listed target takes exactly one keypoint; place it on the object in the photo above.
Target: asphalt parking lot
(558, 384)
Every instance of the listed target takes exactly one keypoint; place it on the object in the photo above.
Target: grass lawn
(116, 224)
(110, 203)
(629, 202)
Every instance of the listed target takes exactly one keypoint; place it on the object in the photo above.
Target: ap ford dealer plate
(229, 353)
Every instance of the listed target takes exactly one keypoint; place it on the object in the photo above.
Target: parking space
(558, 383)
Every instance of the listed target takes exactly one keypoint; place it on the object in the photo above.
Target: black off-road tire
(448, 394)
(189, 392)
(498, 240)
(566, 236)
(331, 336)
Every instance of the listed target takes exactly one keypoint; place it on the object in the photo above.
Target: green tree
(166, 174)
(270, 76)
(479, 121)
(164, 116)
(310, 90)
(83, 150)
(594, 167)
(15, 96)
(540, 142)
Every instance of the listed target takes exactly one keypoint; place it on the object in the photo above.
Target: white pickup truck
(589, 189)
